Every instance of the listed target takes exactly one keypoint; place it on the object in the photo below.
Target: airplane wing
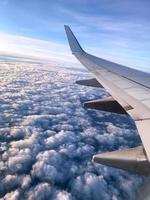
(130, 94)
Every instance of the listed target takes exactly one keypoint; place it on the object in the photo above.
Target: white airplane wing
(130, 94)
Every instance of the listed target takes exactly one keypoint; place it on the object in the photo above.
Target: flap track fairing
(133, 160)
(89, 82)
(107, 104)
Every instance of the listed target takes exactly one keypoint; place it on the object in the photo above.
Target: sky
(115, 30)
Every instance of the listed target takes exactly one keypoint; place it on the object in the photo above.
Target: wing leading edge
(131, 89)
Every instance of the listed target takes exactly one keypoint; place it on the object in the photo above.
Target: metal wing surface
(130, 88)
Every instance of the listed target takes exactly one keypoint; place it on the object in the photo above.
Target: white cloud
(48, 138)
(14, 195)
(63, 195)
(53, 52)
(41, 191)
(91, 187)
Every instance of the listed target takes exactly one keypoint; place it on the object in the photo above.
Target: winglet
(73, 42)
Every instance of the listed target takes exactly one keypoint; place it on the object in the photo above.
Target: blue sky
(116, 30)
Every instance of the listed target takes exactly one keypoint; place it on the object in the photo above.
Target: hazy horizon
(117, 31)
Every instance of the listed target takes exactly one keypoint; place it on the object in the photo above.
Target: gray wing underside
(129, 87)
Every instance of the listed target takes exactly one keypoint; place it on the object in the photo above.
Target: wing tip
(73, 42)
(66, 26)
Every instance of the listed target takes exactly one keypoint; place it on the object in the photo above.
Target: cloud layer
(48, 138)
(21, 48)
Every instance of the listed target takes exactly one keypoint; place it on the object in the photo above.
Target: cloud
(41, 191)
(63, 195)
(48, 138)
(91, 187)
(14, 195)
(40, 50)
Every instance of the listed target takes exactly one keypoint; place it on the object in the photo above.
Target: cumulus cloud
(48, 138)
(63, 195)
(91, 186)
(41, 191)
(14, 195)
